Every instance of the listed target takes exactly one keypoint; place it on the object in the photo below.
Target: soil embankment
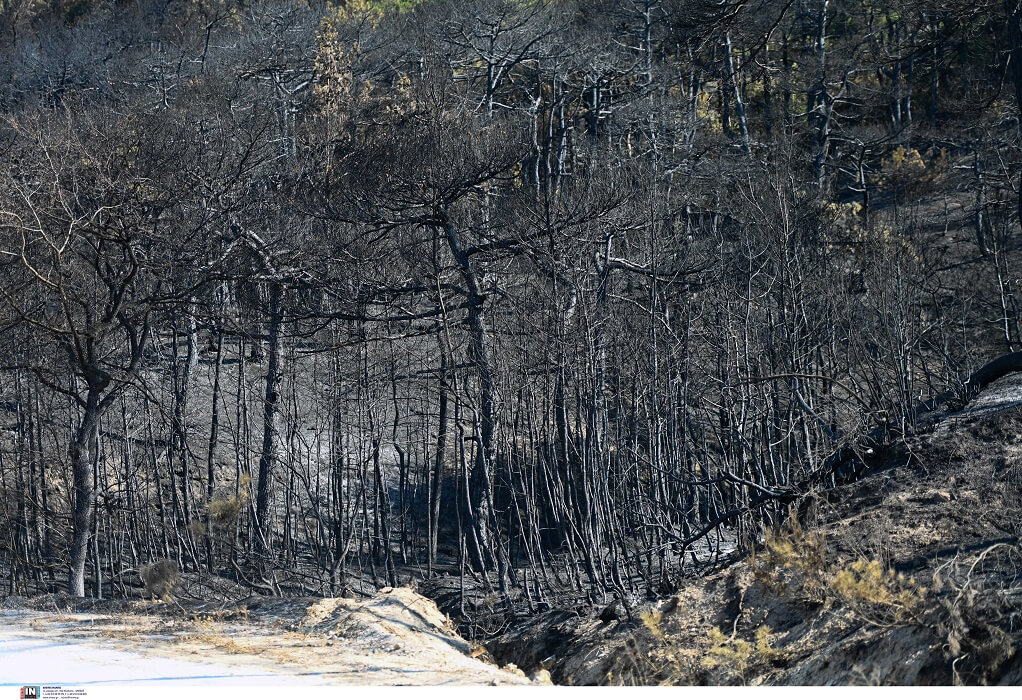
(911, 574)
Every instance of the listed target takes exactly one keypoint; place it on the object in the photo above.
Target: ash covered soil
(910, 575)
(394, 638)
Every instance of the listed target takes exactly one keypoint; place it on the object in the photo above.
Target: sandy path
(28, 658)
(83, 649)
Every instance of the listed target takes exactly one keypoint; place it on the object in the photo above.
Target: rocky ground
(910, 575)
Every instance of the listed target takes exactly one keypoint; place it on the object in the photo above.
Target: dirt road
(396, 638)
(27, 657)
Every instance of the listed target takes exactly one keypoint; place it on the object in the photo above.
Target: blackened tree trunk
(271, 418)
(483, 519)
(1013, 10)
(436, 486)
(81, 453)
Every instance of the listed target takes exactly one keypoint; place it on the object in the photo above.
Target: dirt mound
(911, 575)
(393, 619)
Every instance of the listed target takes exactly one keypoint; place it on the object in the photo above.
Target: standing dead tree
(79, 228)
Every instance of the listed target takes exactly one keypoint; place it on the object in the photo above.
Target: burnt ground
(910, 575)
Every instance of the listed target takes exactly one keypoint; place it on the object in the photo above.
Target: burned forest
(528, 305)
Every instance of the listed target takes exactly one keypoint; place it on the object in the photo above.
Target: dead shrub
(223, 512)
(728, 659)
(737, 657)
(160, 578)
(877, 594)
(983, 598)
(791, 564)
